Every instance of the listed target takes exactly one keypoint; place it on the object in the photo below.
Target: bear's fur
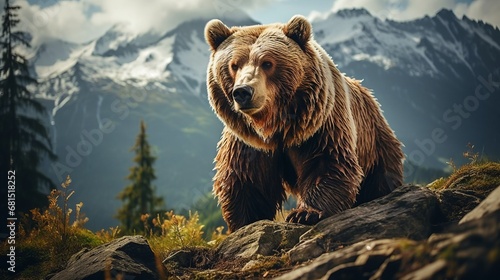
(293, 124)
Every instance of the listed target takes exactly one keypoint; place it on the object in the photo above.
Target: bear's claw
(305, 216)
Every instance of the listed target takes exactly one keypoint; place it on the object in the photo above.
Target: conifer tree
(24, 139)
(139, 197)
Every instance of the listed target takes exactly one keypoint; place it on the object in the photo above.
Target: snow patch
(57, 57)
(191, 69)
(335, 29)
(380, 60)
(150, 63)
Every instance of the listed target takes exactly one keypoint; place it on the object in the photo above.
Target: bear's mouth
(248, 110)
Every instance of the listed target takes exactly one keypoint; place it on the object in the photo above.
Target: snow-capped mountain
(424, 47)
(114, 81)
(120, 57)
(424, 73)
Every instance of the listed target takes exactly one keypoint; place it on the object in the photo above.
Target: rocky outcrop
(404, 235)
(408, 212)
(129, 257)
(469, 251)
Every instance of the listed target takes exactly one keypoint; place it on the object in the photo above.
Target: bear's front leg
(247, 183)
(326, 185)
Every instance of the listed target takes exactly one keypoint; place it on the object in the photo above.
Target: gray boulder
(264, 238)
(407, 212)
(129, 257)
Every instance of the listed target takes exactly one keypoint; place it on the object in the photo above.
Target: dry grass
(177, 231)
(478, 174)
(48, 238)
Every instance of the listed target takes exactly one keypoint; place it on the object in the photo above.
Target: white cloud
(65, 20)
(486, 10)
(162, 15)
(83, 20)
(155, 15)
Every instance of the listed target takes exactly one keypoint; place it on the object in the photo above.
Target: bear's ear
(215, 33)
(299, 30)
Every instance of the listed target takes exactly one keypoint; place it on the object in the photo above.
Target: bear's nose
(243, 95)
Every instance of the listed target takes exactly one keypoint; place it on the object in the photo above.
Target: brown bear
(293, 124)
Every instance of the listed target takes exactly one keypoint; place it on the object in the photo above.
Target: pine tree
(24, 140)
(139, 197)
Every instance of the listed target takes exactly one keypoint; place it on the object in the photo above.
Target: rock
(182, 258)
(193, 258)
(429, 271)
(465, 251)
(406, 212)
(466, 188)
(129, 257)
(456, 203)
(489, 205)
(251, 265)
(261, 238)
(468, 251)
(471, 250)
(352, 261)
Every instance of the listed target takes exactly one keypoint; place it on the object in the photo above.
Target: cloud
(486, 10)
(161, 15)
(154, 15)
(394, 9)
(66, 20)
(84, 20)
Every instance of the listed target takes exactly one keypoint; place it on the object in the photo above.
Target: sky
(84, 20)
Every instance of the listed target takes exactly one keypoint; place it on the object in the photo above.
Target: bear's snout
(243, 96)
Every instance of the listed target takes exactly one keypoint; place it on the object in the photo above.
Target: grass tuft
(480, 174)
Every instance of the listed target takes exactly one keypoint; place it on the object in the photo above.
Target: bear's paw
(304, 216)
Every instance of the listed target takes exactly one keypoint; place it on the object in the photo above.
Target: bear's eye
(234, 67)
(266, 65)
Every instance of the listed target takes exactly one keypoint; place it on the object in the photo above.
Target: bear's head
(265, 82)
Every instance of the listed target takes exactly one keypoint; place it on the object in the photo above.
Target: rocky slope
(407, 234)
